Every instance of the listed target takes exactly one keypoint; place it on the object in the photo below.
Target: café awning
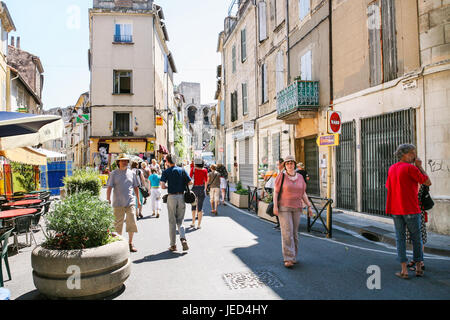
(25, 155)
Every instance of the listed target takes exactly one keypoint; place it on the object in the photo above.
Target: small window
(122, 82)
(121, 122)
(244, 99)
(243, 45)
(262, 21)
(303, 7)
(123, 33)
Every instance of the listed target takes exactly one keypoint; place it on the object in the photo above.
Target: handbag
(269, 209)
(426, 203)
(189, 196)
(144, 191)
(164, 198)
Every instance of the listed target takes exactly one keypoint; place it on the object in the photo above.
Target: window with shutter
(243, 45)
(280, 11)
(262, 20)
(306, 66)
(304, 7)
(244, 99)
(264, 95)
(222, 112)
(233, 59)
(280, 72)
(374, 25)
(275, 147)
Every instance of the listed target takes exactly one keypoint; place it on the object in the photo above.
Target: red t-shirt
(200, 176)
(403, 187)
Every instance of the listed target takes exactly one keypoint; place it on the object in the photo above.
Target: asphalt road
(237, 256)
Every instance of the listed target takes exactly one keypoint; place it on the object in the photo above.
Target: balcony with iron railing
(123, 38)
(119, 133)
(299, 100)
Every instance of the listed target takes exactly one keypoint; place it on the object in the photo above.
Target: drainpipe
(287, 42)
(256, 125)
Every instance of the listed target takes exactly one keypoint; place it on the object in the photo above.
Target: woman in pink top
(289, 208)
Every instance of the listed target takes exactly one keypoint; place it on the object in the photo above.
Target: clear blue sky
(58, 32)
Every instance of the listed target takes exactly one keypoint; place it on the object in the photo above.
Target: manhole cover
(246, 280)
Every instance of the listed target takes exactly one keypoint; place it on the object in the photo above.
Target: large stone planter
(103, 270)
(238, 200)
(262, 208)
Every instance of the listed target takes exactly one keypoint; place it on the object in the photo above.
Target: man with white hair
(402, 203)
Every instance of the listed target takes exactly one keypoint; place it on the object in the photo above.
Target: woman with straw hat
(288, 198)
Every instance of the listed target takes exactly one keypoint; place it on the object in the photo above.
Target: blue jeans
(412, 222)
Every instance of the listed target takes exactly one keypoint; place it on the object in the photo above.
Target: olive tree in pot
(81, 258)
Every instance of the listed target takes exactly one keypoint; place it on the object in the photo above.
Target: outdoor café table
(22, 203)
(7, 214)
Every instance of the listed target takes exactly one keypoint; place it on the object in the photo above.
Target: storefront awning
(25, 155)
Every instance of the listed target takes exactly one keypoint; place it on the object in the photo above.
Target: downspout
(154, 92)
(288, 66)
(330, 8)
(256, 89)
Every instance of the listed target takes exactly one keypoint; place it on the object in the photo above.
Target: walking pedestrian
(123, 182)
(423, 232)
(302, 171)
(177, 180)
(155, 195)
(155, 165)
(402, 203)
(292, 190)
(200, 176)
(280, 168)
(214, 185)
(223, 181)
(137, 171)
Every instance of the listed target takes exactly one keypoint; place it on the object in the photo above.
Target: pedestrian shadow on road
(165, 255)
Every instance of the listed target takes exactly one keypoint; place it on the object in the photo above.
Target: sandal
(412, 266)
(173, 248)
(288, 264)
(402, 275)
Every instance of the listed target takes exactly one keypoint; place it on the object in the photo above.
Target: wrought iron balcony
(123, 38)
(118, 133)
(299, 100)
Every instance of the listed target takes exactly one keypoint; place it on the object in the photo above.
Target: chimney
(18, 42)
(12, 41)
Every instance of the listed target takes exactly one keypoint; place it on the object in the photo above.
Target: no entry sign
(334, 122)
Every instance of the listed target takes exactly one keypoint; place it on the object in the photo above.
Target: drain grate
(251, 280)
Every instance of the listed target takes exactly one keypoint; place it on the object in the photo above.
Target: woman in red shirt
(292, 199)
(402, 203)
(200, 177)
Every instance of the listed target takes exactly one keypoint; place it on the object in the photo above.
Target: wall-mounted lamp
(285, 131)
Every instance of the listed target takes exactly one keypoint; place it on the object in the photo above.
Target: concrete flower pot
(102, 271)
(262, 208)
(238, 200)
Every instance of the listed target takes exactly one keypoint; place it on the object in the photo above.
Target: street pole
(330, 150)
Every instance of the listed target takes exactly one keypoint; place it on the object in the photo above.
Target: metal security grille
(380, 137)
(245, 163)
(312, 166)
(346, 194)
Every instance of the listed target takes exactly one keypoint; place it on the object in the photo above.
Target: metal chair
(4, 254)
(23, 226)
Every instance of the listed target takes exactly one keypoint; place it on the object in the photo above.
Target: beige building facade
(389, 92)
(6, 26)
(129, 82)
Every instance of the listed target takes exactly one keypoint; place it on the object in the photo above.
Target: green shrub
(83, 180)
(80, 221)
(240, 190)
(268, 198)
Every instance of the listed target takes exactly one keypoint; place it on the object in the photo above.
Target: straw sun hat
(122, 156)
(289, 158)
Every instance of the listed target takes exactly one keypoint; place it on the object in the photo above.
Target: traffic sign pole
(330, 150)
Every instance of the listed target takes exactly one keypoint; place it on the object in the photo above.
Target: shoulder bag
(189, 196)
(208, 187)
(269, 210)
(426, 203)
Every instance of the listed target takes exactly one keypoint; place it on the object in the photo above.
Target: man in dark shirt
(177, 180)
(301, 170)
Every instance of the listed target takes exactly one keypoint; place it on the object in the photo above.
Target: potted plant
(239, 198)
(262, 208)
(81, 257)
(83, 180)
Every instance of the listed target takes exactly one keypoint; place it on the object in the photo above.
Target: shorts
(214, 194)
(119, 214)
(223, 183)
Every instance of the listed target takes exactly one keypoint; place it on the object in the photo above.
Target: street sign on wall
(334, 121)
(328, 140)
(159, 121)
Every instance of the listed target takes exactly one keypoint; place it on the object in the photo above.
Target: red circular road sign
(335, 122)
